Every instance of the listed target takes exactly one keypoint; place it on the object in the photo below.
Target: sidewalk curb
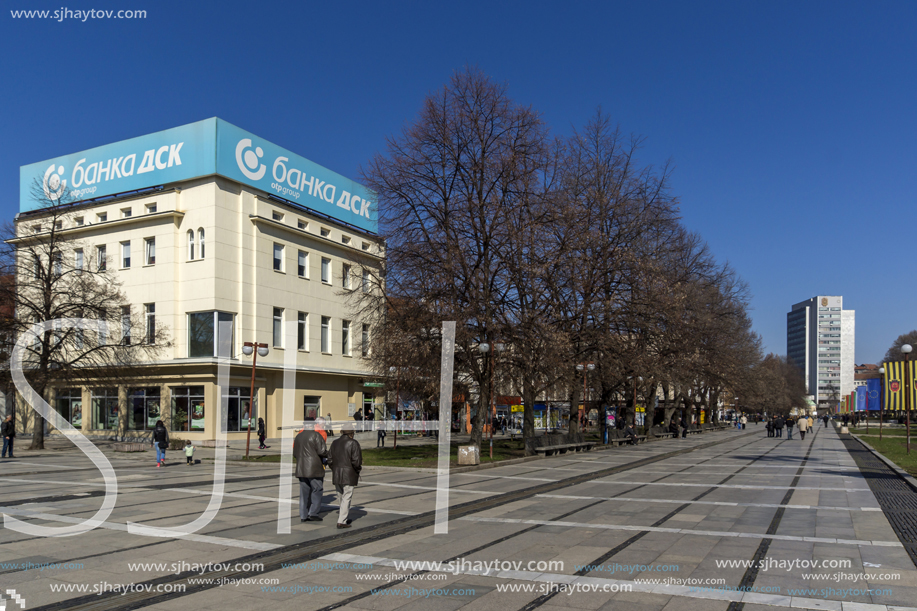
(907, 477)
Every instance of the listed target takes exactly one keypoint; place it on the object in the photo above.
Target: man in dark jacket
(346, 461)
(673, 427)
(778, 426)
(311, 453)
(8, 432)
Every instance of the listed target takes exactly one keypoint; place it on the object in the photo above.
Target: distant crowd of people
(803, 424)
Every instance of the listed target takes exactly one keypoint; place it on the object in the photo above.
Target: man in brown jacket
(346, 461)
(311, 454)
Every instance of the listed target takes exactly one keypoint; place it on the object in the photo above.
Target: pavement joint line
(721, 503)
(687, 531)
(250, 545)
(737, 486)
(770, 600)
(307, 550)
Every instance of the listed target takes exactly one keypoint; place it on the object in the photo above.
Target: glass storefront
(70, 406)
(144, 409)
(105, 408)
(240, 410)
(188, 410)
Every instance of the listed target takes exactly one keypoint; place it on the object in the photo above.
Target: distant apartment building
(820, 342)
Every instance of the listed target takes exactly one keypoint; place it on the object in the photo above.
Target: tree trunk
(573, 426)
(528, 414)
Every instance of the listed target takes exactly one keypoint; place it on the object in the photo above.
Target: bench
(663, 435)
(564, 448)
(693, 431)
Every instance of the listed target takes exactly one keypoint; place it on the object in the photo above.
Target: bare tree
(53, 275)
(894, 352)
(446, 187)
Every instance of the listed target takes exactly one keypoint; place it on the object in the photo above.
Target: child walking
(189, 452)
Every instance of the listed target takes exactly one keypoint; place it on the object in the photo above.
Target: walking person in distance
(803, 425)
(346, 462)
(262, 434)
(790, 423)
(160, 442)
(8, 432)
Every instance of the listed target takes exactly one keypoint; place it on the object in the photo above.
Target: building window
(144, 409)
(125, 213)
(365, 245)
(278, 257)
(150, 313)
(188, 411)
(150, 208)
(345, 337)
(126, 325)
(78, 221)
(102, 217)
(326, 334)
(105, 408)
(70, 406)
(326, 270)
(241, 411)
(364, 341)
(345, 239)
(191, 245)
(302, 264)
(278, 327)
(200, 238)
(325, 232)
(78, 259)
(149, 251)
(58, 224)
(366, 280)
(277, 216)
(125, 255)
(302, 331)
(57, 265)
(301, 224)
(210, 334)
(345, 276)
(312, 407)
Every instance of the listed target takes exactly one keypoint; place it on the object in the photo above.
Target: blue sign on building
(207, 147)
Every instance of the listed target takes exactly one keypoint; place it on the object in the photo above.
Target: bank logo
(53, 187)
(248, 161)
(16, 598)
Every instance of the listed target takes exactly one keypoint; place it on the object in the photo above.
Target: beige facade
(212, 250)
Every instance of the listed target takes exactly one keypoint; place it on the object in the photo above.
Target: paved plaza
(725, 520)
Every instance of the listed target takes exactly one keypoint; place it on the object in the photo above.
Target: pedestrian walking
(790, 423)
(770, 428)
(684, 427)
(380, 434)
(189, 452)
(161, 442)
(8, 431)
(778, 426)
(825, 418)
(811, 422)
(346, 462)
(311, 455)
(744, 420)
(803, 425)
(262, 434)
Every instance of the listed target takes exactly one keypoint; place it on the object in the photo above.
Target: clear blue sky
(791, 125)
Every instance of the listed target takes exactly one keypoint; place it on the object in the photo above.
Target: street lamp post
(584, 367)
(906, 349)
(397, 397)
(881, 407)
(248, 349)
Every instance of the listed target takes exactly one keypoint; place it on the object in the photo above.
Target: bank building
(221, 238)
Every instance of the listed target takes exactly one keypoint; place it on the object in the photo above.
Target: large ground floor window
(188, 408)
(70, 405)
(144, 409)
(312, 407)
(240, 410)
(105, 408)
